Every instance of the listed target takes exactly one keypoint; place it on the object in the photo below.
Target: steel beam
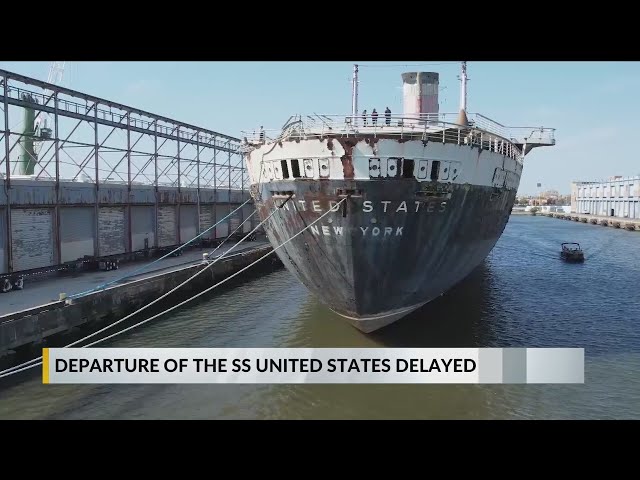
(108, 103)
(7, 180)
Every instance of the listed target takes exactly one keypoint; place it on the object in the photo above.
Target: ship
(377, 216)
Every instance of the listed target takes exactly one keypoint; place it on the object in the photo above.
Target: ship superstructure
(427, 196)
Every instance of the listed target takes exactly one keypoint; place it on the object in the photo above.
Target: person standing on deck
(387, 114)
(374, 117)
(364, 117)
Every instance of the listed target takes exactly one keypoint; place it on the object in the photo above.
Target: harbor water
(523, 295)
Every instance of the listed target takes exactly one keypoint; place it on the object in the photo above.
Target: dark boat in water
(415, 202)
(571, 252)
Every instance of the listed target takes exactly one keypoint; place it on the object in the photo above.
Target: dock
(28, 318)
(615, 222)
(86, 181)
(91, 190)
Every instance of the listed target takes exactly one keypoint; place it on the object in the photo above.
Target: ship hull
(390, 247)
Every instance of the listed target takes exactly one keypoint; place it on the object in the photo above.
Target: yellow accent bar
(45, 365)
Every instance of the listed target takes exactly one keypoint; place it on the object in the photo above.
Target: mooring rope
(17, 368)
(10, 370)
(144, 267)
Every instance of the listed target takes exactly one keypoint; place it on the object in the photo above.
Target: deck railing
(480, 131)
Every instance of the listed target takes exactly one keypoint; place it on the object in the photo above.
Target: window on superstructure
(435, 170)
(295, 168)
(407, 168)
(620, 191)
(285, 169)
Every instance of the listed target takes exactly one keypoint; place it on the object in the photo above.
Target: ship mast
(463, 87)
(462, 116)
(354, 95)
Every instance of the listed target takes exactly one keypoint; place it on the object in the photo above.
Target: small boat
(571, 252)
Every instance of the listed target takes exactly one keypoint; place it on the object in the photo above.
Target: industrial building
(86, 178)
(616, 197)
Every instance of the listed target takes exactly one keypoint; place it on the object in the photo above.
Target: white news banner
(312, 365)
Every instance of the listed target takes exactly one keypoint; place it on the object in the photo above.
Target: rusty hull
(373, 267)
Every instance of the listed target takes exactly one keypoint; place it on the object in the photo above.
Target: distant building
(550, 197)
(616, 197)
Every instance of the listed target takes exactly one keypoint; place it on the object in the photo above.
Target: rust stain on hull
(363, 262)
(347, 158)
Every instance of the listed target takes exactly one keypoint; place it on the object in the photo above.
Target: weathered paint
(140, 200)
(31, 193)
(222, 196)
(77, 233)
(255, 221)
(167, 195)
(113, 194)
(188, 222)
(207, 195)
(141, 194)
(142, 227)
(42, 192)
(235, 219)
(237, 196)
(350, 158)
(222, 230)
(112, 230)
(3, 241)
(167, 226)
(207, 220)
(420, 216)
(32, 238)
(419, 94)
(234, 223)
(77, 194)
(188, 195)
(391, 248)
(246, 211)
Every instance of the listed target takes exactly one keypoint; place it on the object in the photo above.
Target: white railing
(320, 125)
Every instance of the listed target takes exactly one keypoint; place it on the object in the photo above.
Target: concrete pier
(615, 222)
(32, 315)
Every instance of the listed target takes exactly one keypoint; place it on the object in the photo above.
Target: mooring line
(144, 267)
(17, 368)
(217, 284)
(26, 366)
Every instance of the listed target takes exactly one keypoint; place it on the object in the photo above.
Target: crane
(36, 127)
(56, 72)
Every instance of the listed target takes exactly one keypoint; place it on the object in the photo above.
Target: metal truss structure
(65, 154)
(99, 141)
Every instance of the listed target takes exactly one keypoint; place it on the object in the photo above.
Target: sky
(592, 105)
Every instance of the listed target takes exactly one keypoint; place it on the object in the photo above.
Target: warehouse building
(616, 197)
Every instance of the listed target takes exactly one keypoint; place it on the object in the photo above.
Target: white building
(616, 197)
